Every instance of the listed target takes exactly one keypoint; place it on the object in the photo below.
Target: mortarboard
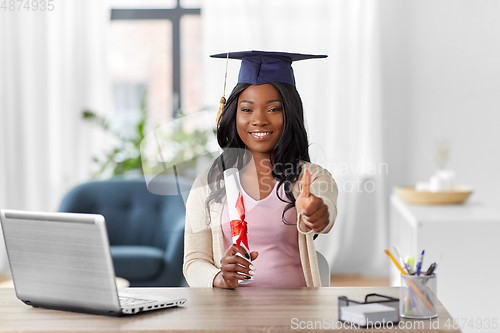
(260, 67)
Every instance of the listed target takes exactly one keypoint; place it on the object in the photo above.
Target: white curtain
(53, 65)
(341, 96)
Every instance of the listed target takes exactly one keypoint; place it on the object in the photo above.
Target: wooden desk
(208, 310)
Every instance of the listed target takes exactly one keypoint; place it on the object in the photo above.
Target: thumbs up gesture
(314, 211)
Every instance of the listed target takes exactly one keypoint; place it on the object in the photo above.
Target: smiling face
(259, 118)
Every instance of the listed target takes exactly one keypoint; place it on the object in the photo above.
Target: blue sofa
(145, 230)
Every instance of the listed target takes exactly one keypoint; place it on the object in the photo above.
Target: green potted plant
(125, 157)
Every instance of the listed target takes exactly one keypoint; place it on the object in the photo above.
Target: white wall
(441, 80)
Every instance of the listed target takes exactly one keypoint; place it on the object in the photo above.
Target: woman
(287, 199)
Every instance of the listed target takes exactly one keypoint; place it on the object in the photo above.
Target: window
(156, 48)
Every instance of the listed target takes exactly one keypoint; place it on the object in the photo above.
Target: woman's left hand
(314, 211)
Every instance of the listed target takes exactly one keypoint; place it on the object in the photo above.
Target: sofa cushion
(137, 263)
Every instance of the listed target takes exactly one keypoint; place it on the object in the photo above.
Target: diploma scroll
(236, 209)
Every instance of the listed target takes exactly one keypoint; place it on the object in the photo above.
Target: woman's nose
(259, 118)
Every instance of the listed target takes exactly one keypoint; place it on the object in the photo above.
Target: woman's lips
(260, 135)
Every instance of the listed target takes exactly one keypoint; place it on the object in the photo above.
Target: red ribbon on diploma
(239, 227)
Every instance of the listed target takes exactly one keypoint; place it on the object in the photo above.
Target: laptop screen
(60, 259)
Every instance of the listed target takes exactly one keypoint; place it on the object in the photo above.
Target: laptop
(63, 261)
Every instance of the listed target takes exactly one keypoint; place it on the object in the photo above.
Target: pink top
(278, 264)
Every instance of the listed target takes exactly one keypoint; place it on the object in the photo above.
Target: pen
(433, 266)
(411, 262)
(431, 269)
(419, 265)
(409, 269)
(409, 265)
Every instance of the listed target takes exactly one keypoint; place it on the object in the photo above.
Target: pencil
(395, 262)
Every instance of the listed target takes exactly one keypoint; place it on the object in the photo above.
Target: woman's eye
(275, 109)
(246, 110)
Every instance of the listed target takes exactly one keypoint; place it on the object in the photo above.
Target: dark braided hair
(290, 151)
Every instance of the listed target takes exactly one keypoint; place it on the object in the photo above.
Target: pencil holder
(417, 296)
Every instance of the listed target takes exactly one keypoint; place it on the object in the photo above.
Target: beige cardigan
(204, 243)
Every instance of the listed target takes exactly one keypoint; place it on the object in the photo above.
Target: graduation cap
(260, 67)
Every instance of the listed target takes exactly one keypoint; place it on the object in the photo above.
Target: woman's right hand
(234, 268)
